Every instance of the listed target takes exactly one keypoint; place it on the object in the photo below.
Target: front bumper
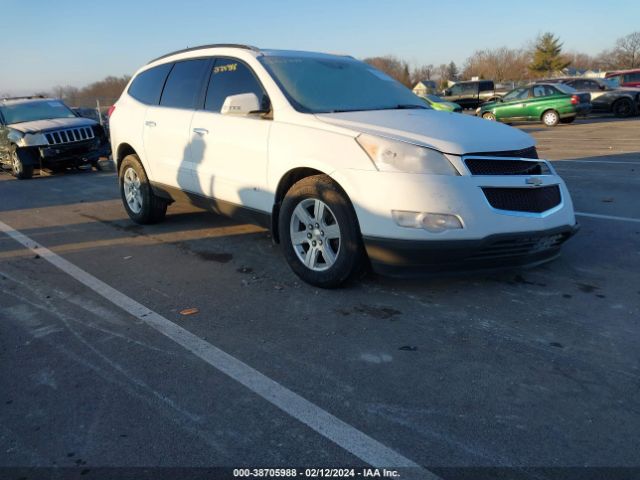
(414, 257)
(82, 152)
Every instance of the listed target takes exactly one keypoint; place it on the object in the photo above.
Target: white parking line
(597, 161)
(609, 217)
(346, 436)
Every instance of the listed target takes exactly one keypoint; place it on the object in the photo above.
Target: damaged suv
(343, 164)
(37, 132)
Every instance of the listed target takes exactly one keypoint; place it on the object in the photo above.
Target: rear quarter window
(147, 86)
(486, 86)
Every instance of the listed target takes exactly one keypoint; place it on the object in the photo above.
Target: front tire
(19, 168)
(550, 118)
(141, 204)
(319, 232)
(489, 116)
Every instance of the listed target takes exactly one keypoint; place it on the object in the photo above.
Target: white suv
(340, 161)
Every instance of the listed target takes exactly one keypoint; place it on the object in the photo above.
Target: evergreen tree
(547, 56)
(452, 71)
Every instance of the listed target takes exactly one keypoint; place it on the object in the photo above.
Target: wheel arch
(124, 149)
(546, 110)
(287, 180)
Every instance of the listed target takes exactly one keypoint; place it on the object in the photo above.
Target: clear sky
(67, 42)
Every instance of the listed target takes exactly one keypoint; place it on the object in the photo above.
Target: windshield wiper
(402, 106)
(408, 106)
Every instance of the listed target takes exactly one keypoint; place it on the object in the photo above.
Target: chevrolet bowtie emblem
(535, 181)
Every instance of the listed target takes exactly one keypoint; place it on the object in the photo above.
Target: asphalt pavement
(530, 369)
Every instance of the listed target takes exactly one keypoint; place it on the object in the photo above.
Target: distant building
(578, 72)
(424, 87)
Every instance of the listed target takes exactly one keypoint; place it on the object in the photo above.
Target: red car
(625, 78)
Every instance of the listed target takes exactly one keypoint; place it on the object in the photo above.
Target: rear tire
(550, 118)
(319, 232)
(623, 108)
(20, 169)
(567, 120)
(141, 204)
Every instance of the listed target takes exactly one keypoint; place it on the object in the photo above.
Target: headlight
(395, 156)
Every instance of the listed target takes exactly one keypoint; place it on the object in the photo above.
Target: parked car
(343, 164)
(625, 78)
(43, 132)
(546, 102)
(438, 103)
(472, 94)
(605, 98)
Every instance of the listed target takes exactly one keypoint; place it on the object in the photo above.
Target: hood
(37, 126)
(444, 131)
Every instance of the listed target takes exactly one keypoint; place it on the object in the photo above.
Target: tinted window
(484, 86)
(147, 86)
(231, 77)
(632, 77)
(184, 84)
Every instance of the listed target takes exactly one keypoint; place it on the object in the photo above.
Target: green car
(549, 103)
(437, 103)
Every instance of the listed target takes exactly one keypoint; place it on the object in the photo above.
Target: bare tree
(580, 60)
(392, 66)
(499, 64)
(627, 51)
(425, 72)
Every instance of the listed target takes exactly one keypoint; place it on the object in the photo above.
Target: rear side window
(147, 86)
(231, 77)
(632, 77)
(486, 86)
(184, 85)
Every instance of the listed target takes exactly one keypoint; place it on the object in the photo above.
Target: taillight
(575, 99)
(110, 111)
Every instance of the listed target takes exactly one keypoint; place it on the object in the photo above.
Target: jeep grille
(69, 135)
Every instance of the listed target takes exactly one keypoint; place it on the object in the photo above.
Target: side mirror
(242, 104)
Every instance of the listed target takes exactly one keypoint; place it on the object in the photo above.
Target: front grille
(69, 135)
(533, 200)
(529, 152)
(482, 166)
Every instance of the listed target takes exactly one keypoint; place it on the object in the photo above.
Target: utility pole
(99, 113)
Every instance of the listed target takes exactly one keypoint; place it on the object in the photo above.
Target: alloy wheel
(132, 193)
(315, 234)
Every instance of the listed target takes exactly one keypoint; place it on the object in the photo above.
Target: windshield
(29, 111)
(613, 82)
(325, 84)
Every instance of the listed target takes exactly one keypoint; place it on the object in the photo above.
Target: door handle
(149, 123)
(200, 131)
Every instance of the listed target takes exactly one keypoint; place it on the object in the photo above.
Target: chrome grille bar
(69, 135)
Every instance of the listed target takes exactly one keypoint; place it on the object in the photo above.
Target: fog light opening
(432, 222)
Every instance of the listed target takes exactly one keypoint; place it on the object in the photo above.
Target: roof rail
(30, 97)
(201, 47)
